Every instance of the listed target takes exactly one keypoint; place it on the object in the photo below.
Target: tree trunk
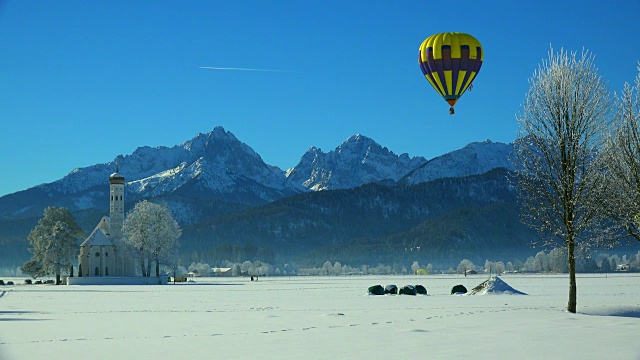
(142, 266)
(571, 307)
(149, 267)
(157, 267)
(58, 278)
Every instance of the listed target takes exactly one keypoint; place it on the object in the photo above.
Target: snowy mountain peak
(479, 144)
(355, 138)
(358, 141)
(357, 161)
(217, 136)
(474, 159)
(215, 163)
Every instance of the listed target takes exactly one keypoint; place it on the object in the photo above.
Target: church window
(106, 271)
(106, 254)
(97, 271)
(97, 254)
(111, 197)
(120, 197)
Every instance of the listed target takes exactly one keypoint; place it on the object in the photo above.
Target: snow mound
(495, 285)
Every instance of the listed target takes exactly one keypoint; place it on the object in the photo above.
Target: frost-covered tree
(429, 268)
(509, 266)
(235, 270)
(604, 264)
(584, 262)
(262, 268)
(382, 270)
(415, 267)
(494, 267)
(201, 269)
(634, 263)
(566, 113)
(337, 269)
(558, 260)
(528, 265)
(489, 266)
(326, 268)
(364, 269)
(622, 161)
(541, 262)
(518, 265)
(246, 266)
(464, 266)
(614, 261)
(153, 234)
(54, 243)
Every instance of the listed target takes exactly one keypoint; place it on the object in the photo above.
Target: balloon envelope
(450, 61)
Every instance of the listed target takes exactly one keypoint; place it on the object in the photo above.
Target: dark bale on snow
(458, 289)
(391, 289)
(408, 290)
(421, 290)
(376, 290)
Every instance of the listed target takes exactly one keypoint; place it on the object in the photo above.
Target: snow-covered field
(323, 317)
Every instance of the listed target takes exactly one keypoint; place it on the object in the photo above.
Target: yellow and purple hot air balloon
(450, 61)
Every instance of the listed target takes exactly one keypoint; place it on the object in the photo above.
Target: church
(105, 253)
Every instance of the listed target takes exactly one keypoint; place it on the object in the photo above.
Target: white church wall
(102, 261)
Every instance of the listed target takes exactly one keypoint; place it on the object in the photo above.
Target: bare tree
(622, 161)
(562, 127)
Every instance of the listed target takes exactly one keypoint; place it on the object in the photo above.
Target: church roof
(97, 238)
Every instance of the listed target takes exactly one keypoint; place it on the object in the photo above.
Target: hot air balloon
(450, 61)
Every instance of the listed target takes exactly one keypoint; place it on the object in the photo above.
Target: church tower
(116, 205)
(105, 252)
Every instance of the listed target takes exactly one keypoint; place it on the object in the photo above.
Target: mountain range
(214, 183)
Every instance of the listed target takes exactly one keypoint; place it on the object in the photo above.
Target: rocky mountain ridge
(221, 191)
(217, 166)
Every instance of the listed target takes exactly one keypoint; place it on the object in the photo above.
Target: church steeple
(116, 178)
(116, 208)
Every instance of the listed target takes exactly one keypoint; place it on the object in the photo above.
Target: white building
(104, 252)
(222, 272)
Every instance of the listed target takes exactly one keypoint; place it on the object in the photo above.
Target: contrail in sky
(239, 69)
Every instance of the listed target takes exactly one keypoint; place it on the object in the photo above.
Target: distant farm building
(221, 272)
(622, 267)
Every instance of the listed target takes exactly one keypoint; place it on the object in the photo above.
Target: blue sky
(84, 81)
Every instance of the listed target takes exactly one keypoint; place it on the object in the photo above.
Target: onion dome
(116, 178)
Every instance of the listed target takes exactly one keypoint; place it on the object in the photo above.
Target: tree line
(553, 261)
